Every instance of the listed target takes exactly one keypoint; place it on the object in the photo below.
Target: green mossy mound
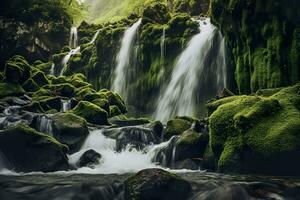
(156, 184)
(40, 78)
(256, 134)
(91, 112)
(264, 51)
(177, 127)
(30, 86)
(8, 89)
(28, 150)
(70, 129)
(17, 70)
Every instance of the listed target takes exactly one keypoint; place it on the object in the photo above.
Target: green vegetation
(255, 134)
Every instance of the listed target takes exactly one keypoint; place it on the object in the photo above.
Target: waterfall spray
(120, 82)
(180, 95)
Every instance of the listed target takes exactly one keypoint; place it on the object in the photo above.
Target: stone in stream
(70, 129)
(89, 159)
(28, 150)
(150, 184)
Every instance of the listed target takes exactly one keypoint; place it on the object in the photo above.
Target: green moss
(40, 78)
(8, 89)
(114, 111)
(177, 127)
(17, 70)
(91, 112)
(188, 137)
(266, 128)
(30, 86)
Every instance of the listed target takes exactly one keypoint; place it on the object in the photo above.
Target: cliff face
(263, 38)
(34, 29)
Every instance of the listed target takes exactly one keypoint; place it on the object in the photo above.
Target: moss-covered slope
(257, 134)
(263, 38)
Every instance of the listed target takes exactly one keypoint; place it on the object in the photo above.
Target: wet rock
(156, 184)
(8, 89)
(70, 129)
(89, 159)
(177, 127)
(28, 150)
(136, 136)
(91, 112)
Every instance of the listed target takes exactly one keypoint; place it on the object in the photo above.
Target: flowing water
(73, 41)
(44, 124)
(190, 74)
(127, 51)
(75, 50)
(66, 105)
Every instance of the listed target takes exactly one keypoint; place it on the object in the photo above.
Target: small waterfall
(124, 61)
(67, 58)
(128, 160)
(65, 105)
(52, 72)
(198, 66)
(163, 47)
(74, 51)
(73, 41)
(94, 37)
(44, 124)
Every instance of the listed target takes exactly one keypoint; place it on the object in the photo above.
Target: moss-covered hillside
(263, 38)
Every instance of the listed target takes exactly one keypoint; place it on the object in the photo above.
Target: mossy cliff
(151, 69)
(34, 28)
(257, 133)
(263, 38)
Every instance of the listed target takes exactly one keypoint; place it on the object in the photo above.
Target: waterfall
(74, 51)
(128, 160)
(66, 105)
(196, 70)
(44, 124)
(163, 47)
(123, 60)
(52, 72)
(73, 42)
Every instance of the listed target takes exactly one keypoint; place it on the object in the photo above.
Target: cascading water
(194, 69)
(163, 47)
(128, 160)
(66, 105)
(52, 69)
(44, 124)
(73, 42)
(123, 60)
(75, 51)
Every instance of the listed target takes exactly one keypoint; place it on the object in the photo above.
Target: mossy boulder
(157, 184)
(30, 86)
(191, 144)
(115, 100)
(49, 103)
(102, 103)
(91, 112)
(40, 78)
(17, 70)
(177, 127)
(156, 13)
(9, 89)
(256, 134)
(28, 150)
(64, 89)
(70, 129)
(114, 111)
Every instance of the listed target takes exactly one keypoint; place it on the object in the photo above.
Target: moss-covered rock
(91, 112)
(255, 134)
(30, 86)
(115, 100)
(28, 150)
(40, 78)
(64, 89)
(8, 89)
(70, 129)
(114, 111)
(177, 127)
(156, 184)
(264, 51)
(17, 70)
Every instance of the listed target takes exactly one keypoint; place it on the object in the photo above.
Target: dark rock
(150, 184)
(89, 159)
(70, 130)
(28, 150)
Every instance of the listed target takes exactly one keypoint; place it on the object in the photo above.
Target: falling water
(128, 160)
(44, 124)
(73, 52)
(120, 82)
(163, 47)
(73, 42)
(52, 72)
(180, 96)
(66, 105)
